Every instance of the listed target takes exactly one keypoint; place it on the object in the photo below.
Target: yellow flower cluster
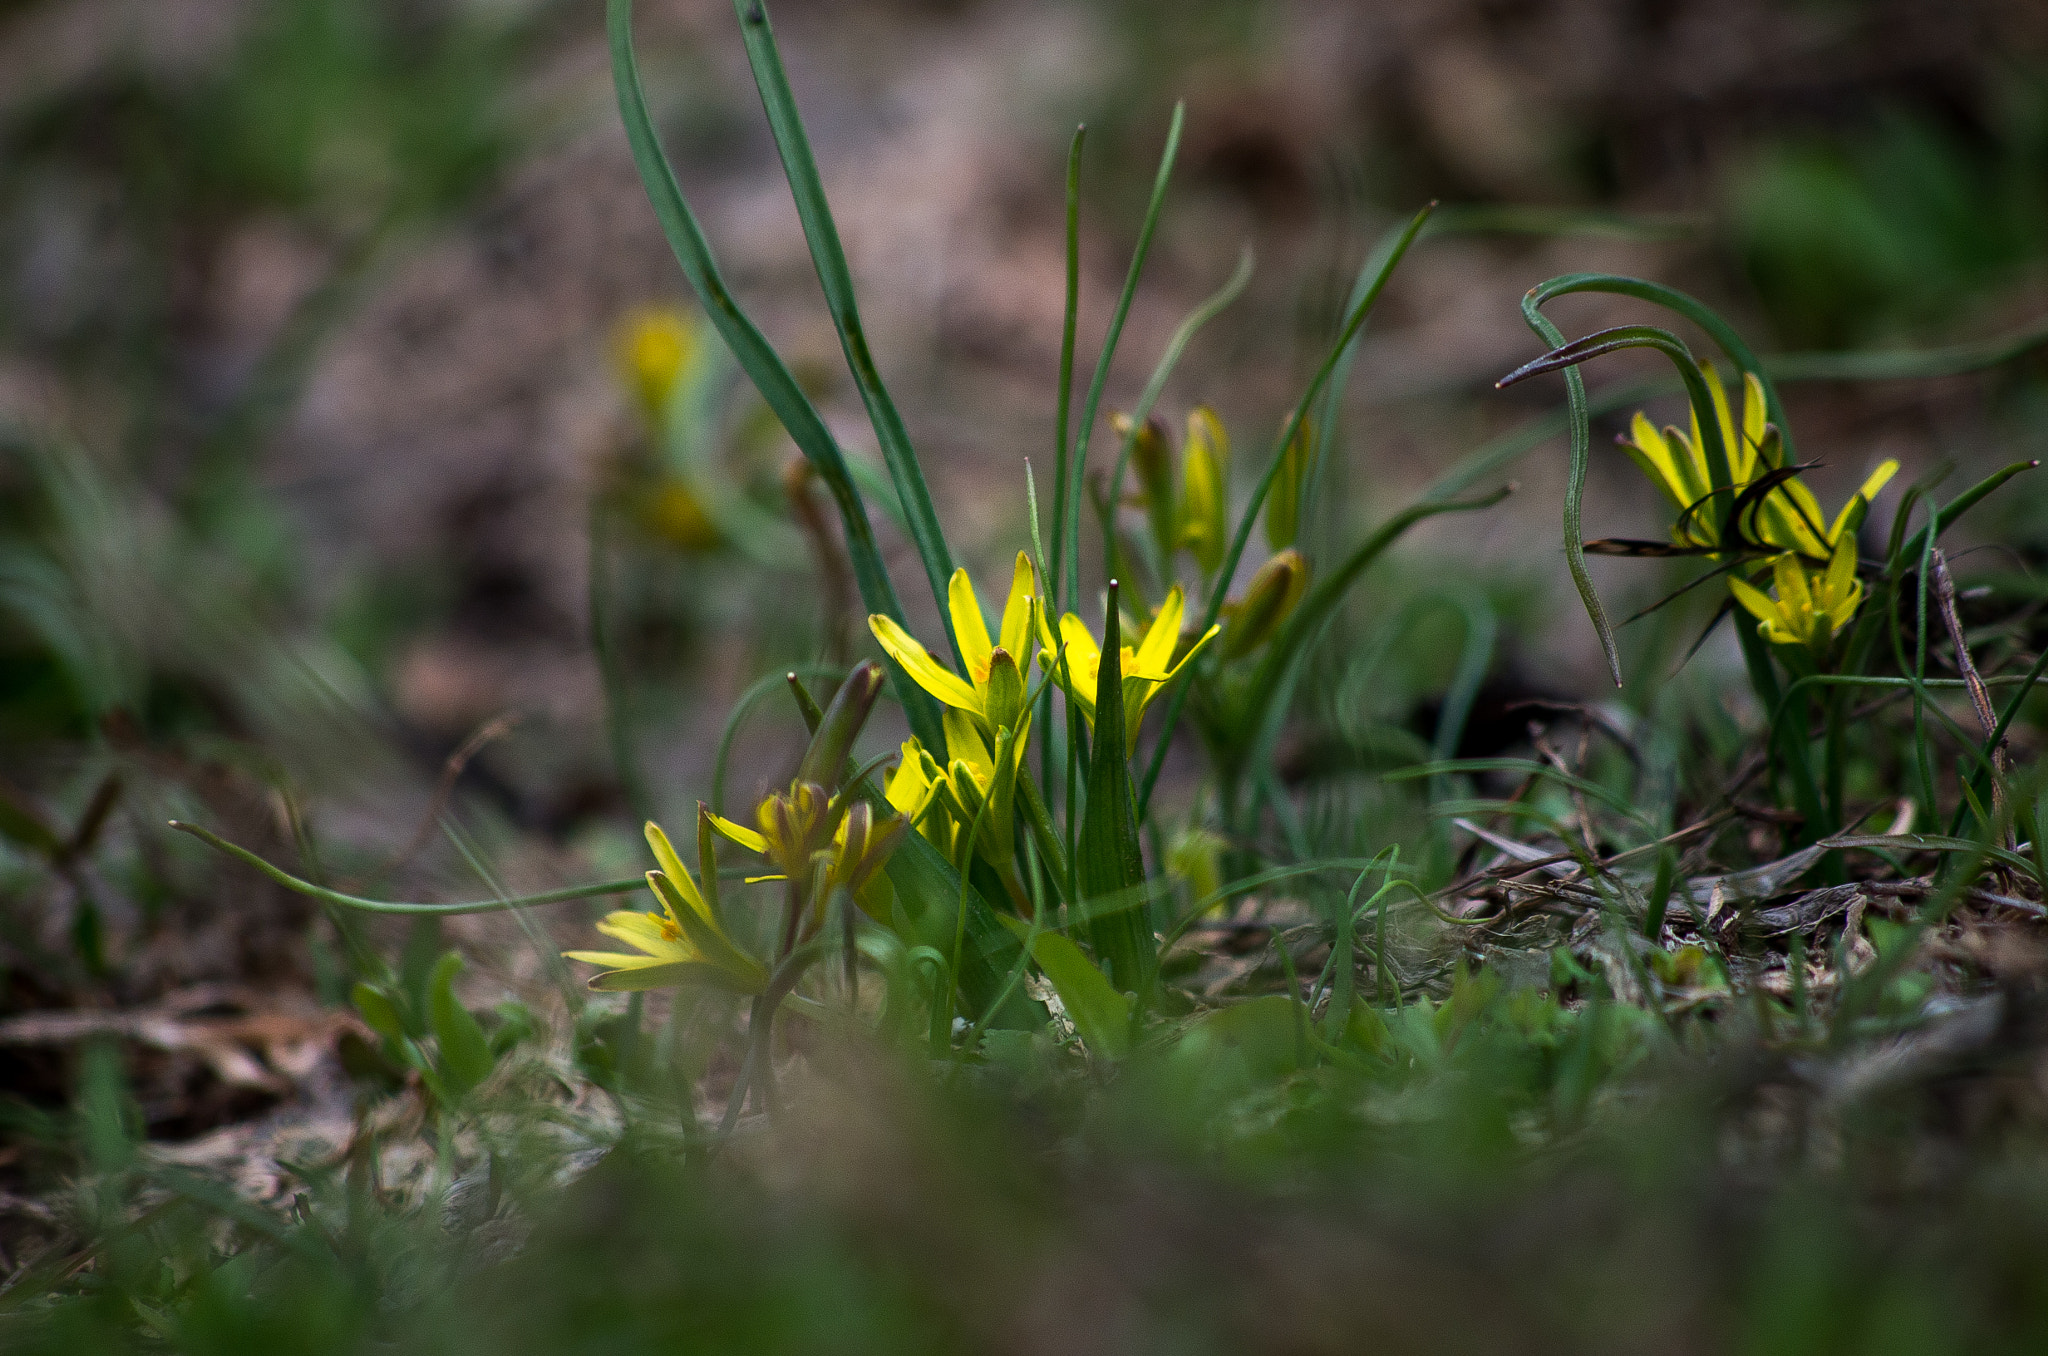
(1812, 560)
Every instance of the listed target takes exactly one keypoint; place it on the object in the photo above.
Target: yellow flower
(671, 510)
(993, 692)
(912, 787)
(684, 943)
(655, 347)
(1787, 517)
(1145, 669)
(1271, 597)
(1812, 605)
(821, 843)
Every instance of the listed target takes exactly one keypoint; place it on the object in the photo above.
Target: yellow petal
(1852, 514)
(924, 670)
(1193, 650)
(1155, 651)
(1016, 625)
(1646, 446)
(672, 866)
(908, 787)
(1794, 598)
(745, 837)
(969, 626)
(1841, 576)
(1753, 411)
(1755, 599)
(1692, 465)
(964, 742)
(1845, 606)
(644, 931)
(1083, 655)
(617, 960)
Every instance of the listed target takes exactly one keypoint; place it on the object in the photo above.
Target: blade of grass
(822, 235)
(770, 374)
(1077, 472)
(1567, 357)
(1062, 462)
(306, 887)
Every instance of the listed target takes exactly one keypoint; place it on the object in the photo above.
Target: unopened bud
(1268, 600)
(1005, 690)
(1152, 457)
(1204, 476)
(1283, 503)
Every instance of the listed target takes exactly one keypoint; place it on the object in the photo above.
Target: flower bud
(1283, 501)
(1204, 476)
(1005, 690)
(1152, 458)
(1267, 602)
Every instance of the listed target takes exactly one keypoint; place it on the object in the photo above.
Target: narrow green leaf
(822, 234)
(806, 705)
(1111, 861)
(291, 882)
(465, 1052)
(1078, 471)
(771, 376)
(1063, 448)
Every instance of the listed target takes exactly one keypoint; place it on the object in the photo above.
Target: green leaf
(1110, 861)
(1066, 523)
(291, 882)
(674, 974)
(466, 1058)
(822, 235)
(770, 374)
(378, 1010)
(929, 889)
(1100, 1014)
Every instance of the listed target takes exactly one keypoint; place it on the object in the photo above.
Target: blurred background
(321, 461)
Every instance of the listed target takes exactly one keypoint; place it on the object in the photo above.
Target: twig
(451, 772)
(1980, 695)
